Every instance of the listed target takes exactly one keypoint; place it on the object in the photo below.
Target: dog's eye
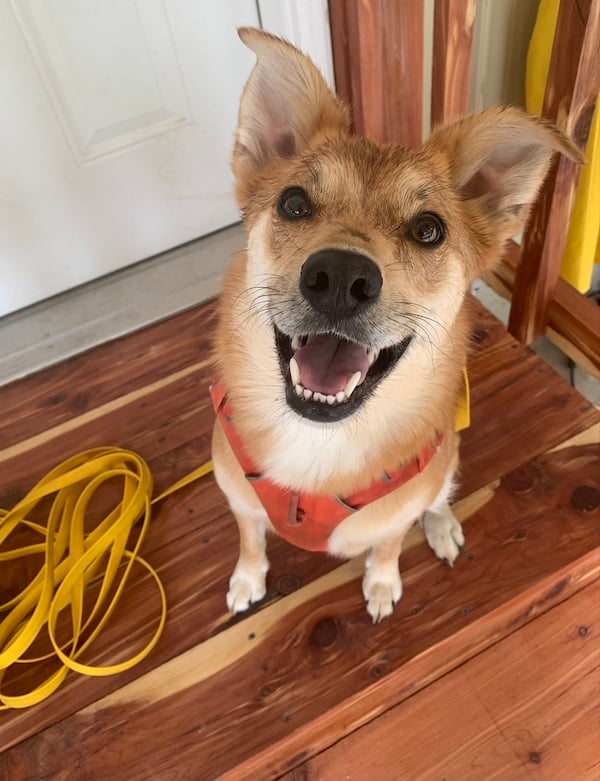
(294, 204)
(427, 229)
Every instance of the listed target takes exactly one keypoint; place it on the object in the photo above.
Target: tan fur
(480, 175)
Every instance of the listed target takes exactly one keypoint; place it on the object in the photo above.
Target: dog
(344, 327)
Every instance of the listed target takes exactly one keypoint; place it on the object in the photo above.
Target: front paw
(382, 591)
(246, 585)
(444, 534)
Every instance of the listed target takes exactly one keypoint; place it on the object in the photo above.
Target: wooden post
(452, 49)
(571, 93)
(378, 61)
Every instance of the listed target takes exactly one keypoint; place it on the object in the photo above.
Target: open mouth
(328, 378)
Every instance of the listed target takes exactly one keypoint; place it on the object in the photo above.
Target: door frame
(306, 24)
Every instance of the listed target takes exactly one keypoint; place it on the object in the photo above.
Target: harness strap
(303, 519)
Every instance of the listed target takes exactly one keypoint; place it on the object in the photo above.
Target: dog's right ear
(285, 103)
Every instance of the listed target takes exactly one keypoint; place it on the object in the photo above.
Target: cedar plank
(201, 506)
(151, 424)
(501, 373)
(524, 408)
(372, 43)
(328, 653)
(451, 66)
(160, 427)
(528, 705)
(194, 567)
(86, 381)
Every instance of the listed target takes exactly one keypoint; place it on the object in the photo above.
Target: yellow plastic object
(463, 406)
(583, 241)
(72, 557)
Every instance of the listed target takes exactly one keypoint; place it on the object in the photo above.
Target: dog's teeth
(351, 384)
(299, 390)
(307, 394)
(340, 397)
(331, 399)
(319, 396)
(294, 371)
(296, 342)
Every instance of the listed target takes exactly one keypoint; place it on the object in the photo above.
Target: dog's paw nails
(381, 597)
(380, 604)
(244, 590)
(444, 535)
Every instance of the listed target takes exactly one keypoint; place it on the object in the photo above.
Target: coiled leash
(73, 556)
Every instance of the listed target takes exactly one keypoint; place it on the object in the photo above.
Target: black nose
(340, 284)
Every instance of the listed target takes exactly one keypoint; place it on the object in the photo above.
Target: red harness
(308, 520)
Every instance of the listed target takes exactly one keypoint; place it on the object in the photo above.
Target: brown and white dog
(344, 327)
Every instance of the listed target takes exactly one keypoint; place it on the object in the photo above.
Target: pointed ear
(285, 103)
(498, 160)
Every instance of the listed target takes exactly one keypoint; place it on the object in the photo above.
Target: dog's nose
(340, 284)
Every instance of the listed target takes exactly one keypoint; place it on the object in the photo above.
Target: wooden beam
(502, 723)
(345, 66)
(570, 97)
(378, 62)
(262, 710)
(416, 674)
(573, 317)
(452, 49)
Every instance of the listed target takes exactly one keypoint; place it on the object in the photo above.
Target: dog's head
(360, 253)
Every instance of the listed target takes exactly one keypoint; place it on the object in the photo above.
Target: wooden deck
(488, 670)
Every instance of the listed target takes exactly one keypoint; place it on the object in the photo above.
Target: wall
(501, 38)
(500, 41)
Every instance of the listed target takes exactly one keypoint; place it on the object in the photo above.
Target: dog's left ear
(285, 103)
(498, 160)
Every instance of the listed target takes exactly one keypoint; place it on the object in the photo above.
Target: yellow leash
(72, 558)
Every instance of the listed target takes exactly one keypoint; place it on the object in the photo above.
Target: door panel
(112, 76)
(117, 128)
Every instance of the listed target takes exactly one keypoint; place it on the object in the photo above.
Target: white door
(117, 125)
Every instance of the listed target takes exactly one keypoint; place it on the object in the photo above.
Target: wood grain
(378, 62)
(451, 65)
(108, 372)
(571, 91)
(575, 318)
(312, 625)
(366, 39)
(494, 719)
(263, 694)
(312, 665)
(516, 404)
(198, 562)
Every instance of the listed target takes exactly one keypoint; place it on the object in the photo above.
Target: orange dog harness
(308, 520)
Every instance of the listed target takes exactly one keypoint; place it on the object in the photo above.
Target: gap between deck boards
(224, 648)
(312, 738)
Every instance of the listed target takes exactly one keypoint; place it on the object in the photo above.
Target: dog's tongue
(327, 363)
